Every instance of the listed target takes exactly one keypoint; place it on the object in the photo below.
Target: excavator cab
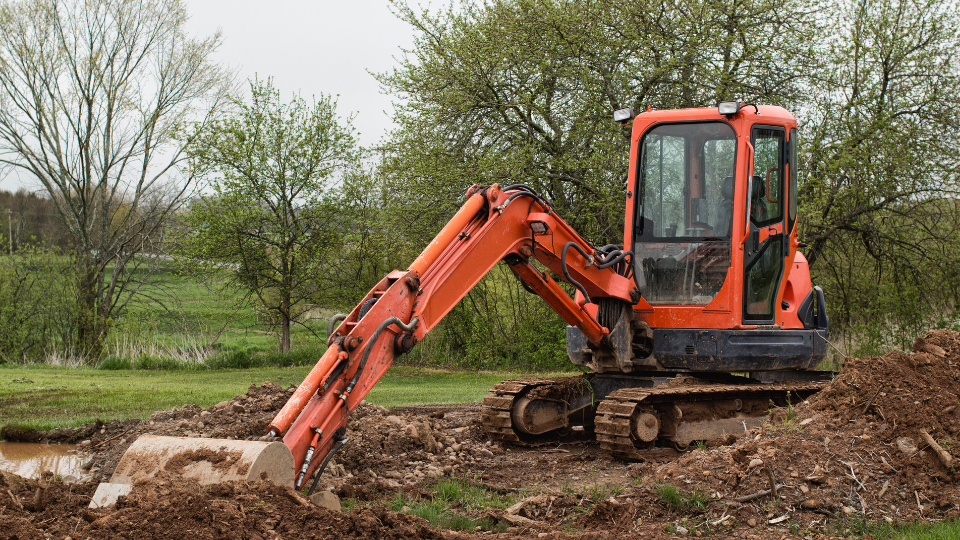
(711, 220)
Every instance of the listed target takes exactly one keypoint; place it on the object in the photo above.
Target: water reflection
(31, 459)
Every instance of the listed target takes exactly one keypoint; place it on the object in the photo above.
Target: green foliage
(271, 219)
(497, 326)
(879, 170)
(34, 315)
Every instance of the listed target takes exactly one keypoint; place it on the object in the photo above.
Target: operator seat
(725, 211)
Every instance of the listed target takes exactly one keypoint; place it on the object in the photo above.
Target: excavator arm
(514, 225)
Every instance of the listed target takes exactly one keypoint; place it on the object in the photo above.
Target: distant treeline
(31, 219)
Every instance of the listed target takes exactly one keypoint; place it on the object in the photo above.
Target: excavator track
(630, 421)
(497, 413)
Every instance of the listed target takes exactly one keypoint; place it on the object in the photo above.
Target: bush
(115, 363)
(37, 304)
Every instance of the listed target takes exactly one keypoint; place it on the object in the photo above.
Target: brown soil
(832, 458)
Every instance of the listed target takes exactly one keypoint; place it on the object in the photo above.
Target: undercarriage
(630, 414)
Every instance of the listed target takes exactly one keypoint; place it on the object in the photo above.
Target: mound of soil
(175, 510)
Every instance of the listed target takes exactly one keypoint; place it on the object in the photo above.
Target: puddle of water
(30, 459)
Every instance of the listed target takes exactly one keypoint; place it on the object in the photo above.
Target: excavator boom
(512, 224)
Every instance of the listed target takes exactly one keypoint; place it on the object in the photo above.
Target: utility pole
(10, 228)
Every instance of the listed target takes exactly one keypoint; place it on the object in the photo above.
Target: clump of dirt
(166, 509)
(906, 392)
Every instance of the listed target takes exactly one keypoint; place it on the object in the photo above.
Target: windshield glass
(685, 214)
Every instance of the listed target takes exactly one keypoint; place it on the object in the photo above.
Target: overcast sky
(310, 47)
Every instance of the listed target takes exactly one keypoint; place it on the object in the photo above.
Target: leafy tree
(92, 94)
(880, 159)
(270, 218)
(522, 91)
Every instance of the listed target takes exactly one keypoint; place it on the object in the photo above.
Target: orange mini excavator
(704, 316)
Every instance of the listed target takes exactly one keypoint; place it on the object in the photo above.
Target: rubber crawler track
(615, 413)
(496, 414)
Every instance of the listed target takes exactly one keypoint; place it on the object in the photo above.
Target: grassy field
(45, 397)
(177, 310)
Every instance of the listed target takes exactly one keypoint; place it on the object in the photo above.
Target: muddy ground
(855, 451)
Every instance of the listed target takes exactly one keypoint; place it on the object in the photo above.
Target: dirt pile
(246, 415)
(854, 450)
(169, 509)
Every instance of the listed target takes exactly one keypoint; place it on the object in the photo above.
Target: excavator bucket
(206, 461)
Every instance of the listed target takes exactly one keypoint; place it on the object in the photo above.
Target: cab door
(764, 249)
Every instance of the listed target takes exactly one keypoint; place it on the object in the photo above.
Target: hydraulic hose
(326, 460)
(373, 340)
(333, 322)
(566, 273)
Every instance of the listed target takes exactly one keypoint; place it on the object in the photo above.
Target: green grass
(176, 310)
(860, 528)
(940, 531)
(45, 397)
(439, 513)
(679, 501)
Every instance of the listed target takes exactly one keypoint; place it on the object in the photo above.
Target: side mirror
(623, 115)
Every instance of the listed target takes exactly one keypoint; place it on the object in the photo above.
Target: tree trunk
(285, 323)
(90, 326)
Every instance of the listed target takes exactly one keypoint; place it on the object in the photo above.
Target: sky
(312, 47)
(307, 47)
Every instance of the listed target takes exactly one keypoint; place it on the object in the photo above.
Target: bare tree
(94, 95)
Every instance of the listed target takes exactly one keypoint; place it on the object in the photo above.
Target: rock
(238, 408)
(809, 504)
(756, 462)
(456, 447)
(751, 522)
(85, 442)
(806, 421)
(411, 431)
(393, 420)
(486, 453)
(222, 405)
(682, 531)
(804, 489)
(847, 510)
(393, 474)
(906, 445)
(327, 500)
